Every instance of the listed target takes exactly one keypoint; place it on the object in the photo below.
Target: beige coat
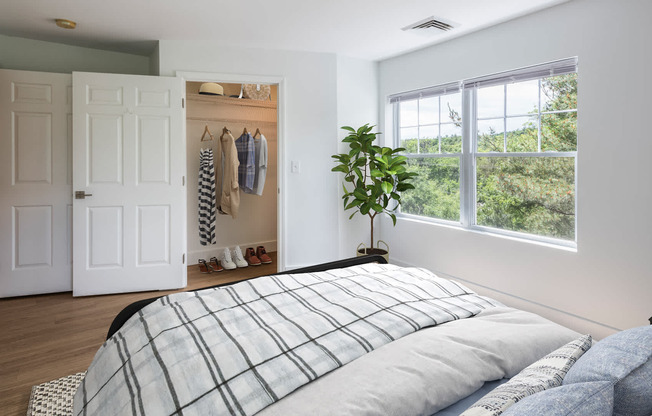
(230, 199)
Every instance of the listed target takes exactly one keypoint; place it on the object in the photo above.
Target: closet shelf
(245, 102)
(232, 120)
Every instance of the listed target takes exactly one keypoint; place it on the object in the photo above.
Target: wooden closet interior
(207, 117)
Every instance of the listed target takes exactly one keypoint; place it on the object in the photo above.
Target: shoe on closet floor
(225, 259)
(237, 257)
(251, 258)
(262, 255)
(215, 264)
(204, 267)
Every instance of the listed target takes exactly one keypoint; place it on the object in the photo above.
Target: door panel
(154, 228)
(33, 236)
(32, 143)
(153, 150)
(129, 156)
(35, 191)
(105, 225)
(104, 143)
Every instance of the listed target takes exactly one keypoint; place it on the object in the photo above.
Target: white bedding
(237, 349)
(431, 369)
(203, 352)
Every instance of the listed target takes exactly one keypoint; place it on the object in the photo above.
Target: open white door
(129, 208)
(35, 182)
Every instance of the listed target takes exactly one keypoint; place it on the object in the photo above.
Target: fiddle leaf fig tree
(374, 176)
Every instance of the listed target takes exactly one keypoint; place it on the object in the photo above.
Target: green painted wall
(36, 55)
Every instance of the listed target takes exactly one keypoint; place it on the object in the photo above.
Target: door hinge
(183, 103)
(183, 258)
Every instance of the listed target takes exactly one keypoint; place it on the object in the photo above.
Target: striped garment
(236, 349)
(206, 186)
(247, 159)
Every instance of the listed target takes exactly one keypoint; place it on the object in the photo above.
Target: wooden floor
(50, 336)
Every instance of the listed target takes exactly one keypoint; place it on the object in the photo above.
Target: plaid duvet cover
(234, 350)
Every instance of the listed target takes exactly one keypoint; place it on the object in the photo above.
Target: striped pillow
(546, 373)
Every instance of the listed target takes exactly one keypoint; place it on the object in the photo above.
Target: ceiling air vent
(430, 25)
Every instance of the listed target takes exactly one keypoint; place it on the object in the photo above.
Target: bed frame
(134, 307)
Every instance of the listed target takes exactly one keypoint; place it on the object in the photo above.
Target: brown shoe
(215, 265)
(262, 255)
(204, 267)
(251, 258)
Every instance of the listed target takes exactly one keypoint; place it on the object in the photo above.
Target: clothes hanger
(245, 131)
(257, 132)
(206, 131)
(224, 131)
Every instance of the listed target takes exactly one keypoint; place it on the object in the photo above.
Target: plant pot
(363, 250)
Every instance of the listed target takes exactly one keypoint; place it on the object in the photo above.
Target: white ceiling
(368, 29)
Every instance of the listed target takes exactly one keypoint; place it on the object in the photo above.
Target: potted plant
(374, 177)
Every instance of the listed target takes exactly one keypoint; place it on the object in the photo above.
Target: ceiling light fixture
(65, 23)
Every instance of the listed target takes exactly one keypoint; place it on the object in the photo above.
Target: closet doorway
(244, 107)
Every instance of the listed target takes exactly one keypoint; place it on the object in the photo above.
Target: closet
(207, 117)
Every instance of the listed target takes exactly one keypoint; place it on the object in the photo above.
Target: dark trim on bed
(132, 308)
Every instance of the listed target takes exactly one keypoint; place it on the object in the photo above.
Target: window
(432, 138)
(496, 152)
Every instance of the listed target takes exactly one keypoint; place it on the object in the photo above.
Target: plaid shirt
(247, 158)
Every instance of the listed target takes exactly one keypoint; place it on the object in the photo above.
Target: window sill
(564, 245)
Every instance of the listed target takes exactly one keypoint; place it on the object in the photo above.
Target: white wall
(606, 284)
(36, 55)
(310, 130)
(357, 98)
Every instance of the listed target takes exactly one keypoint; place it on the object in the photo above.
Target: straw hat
(211, 88)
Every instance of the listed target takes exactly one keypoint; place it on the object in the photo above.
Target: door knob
(81, 195)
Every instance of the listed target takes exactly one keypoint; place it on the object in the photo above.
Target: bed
(353, 337)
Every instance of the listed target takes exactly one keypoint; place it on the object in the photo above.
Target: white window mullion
(505, 118)
(439, 121)
(419, 125)
(467, 160)
(576, 176)
(397, 123)
(539, 121)
(551, 154)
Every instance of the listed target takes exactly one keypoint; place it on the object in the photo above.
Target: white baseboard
(214, 250)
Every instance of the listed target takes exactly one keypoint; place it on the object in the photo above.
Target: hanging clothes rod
(231, 121)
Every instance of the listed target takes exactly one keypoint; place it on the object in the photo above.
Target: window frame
(469, 152)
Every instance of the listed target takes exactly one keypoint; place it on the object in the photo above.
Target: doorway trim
(281, 177)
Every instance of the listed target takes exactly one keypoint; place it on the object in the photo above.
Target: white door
(35, 183)
(129, 159)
